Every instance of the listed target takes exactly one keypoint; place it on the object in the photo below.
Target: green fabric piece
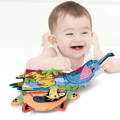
(54, 72)
(20, 98)
(27, 80)
(69, 94)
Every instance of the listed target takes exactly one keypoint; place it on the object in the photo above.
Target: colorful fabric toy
(46, 90)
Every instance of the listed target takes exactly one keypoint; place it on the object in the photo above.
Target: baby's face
(73, 35)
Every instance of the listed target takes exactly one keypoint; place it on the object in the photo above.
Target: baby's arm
(112, 65)
(42, 61)
(49, 60)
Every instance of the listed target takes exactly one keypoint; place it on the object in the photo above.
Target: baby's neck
(76, 63)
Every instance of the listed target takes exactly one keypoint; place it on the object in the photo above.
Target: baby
(71, 41)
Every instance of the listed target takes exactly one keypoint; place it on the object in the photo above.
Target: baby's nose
(78, 38)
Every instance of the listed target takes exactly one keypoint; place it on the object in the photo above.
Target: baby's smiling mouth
(77, 47)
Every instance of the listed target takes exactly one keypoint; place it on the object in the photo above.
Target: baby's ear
(52, 39)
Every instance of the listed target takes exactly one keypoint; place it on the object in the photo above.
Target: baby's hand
(45, 41)
(61, 63)
(111, 65)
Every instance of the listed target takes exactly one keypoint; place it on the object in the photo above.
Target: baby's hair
(67, 8)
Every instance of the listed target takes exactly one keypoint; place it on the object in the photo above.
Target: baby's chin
(76, 56)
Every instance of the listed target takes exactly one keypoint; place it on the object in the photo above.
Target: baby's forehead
(71, 21)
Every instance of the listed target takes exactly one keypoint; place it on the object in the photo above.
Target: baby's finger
(104, 66)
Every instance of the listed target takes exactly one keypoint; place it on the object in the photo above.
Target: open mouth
(79, 47)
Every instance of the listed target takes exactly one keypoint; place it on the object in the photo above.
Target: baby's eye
(69, 34)
(84, 33)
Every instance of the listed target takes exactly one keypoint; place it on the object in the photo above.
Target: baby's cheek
(61, 48)
(87, 47)
(88, 41)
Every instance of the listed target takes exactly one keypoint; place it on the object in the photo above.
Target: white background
(21, 25)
